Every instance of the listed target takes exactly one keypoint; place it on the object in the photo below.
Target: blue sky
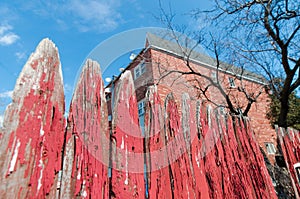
(76, 27)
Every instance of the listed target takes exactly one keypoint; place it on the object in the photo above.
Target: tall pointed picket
(157, 175)
(87, 139)
(127, 151)
(33, 128)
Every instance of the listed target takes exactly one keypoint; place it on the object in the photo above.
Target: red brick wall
(178, 85)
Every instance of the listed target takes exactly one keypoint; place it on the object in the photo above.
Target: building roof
(165, 45)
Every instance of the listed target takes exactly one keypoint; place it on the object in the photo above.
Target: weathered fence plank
(127, 153)
(158, 177)
(86, 151)
(33, 128)
(289, 140)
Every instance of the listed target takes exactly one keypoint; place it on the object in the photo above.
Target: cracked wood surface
(33, 128)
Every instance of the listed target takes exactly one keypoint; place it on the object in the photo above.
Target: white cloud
(83, 15)
(6, 94)
(6, 36)
(8, 39)
(20, 55)
(4, 28)
(68, 88)
(95, 15)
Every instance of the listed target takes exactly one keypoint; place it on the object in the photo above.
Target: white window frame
(297, 171)
(270, 147)
(231, 82)
(139, 69)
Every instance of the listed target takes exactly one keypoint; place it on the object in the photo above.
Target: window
(141, 111)
(214, 76)
(270, 148)
(139, 70)
(297, 171)
(231, 82)
(108, 97)
(141, 107)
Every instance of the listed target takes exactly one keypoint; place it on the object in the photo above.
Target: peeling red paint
(34, 126)
(127, 180)
(86, 150)
(158, 181)
(222, 161)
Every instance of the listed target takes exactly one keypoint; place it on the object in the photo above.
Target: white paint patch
(197, 160)
(59, 179)
(78, 176)
(126, 166)
(15, 156)
(84, 194)
(209, 110)
(122, 144)
(42, 132)
(35, 87)
(126, 180)
(41, 164)
(188, 191)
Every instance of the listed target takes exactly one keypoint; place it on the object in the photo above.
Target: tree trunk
(284, 109)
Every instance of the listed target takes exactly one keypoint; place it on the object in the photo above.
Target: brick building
(156, 65)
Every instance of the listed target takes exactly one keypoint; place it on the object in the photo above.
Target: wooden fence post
(30, 149)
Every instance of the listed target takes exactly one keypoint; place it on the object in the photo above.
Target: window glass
(231, 82)
(270, 148)
(214, 76)
(141, 111)
(141, 107)
(139, 70)
(143, 68)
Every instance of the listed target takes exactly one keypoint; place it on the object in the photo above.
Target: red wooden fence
(289, 140)
(187, 150)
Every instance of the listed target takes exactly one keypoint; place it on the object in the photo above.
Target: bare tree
(264, 34)
(203, 82)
